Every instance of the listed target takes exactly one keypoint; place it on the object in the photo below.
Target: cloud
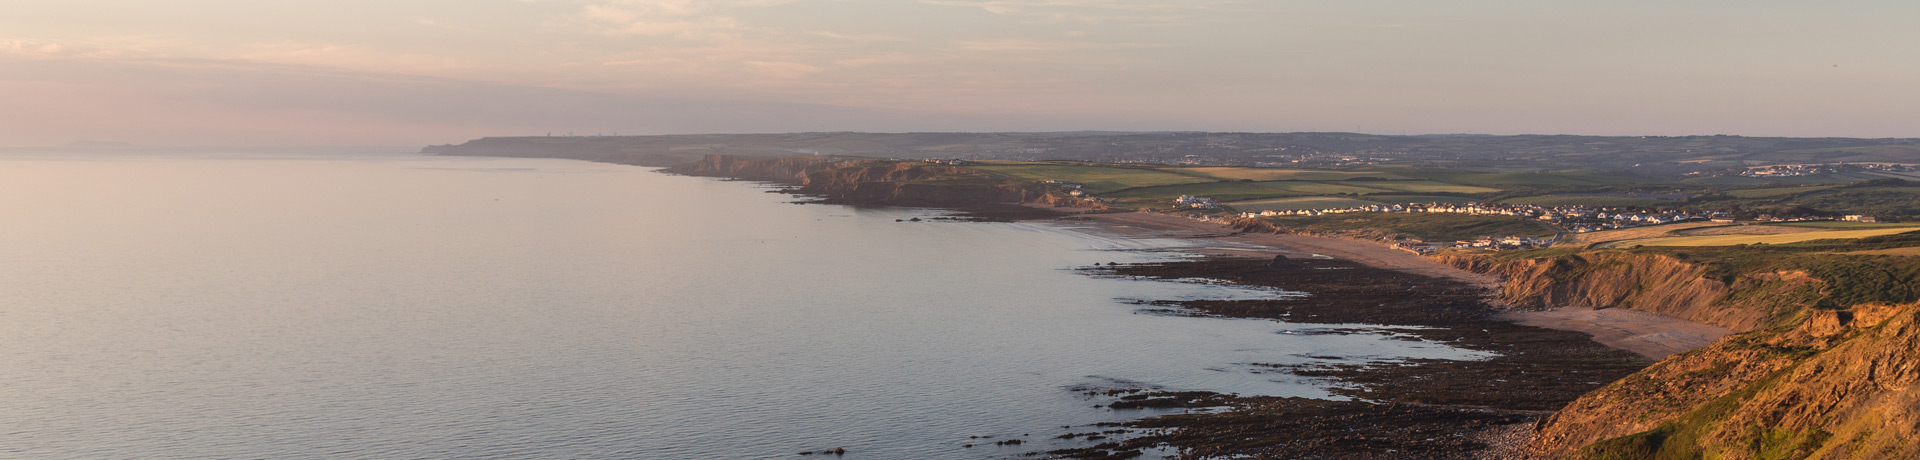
(859, 37)
(31, 48)
(197, 102)
(782, 69)
(687, 19)
(1136, 12)
(1023, 45)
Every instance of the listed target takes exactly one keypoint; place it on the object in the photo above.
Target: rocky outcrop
(786, 170)
(1797, 382)
(1840, 385)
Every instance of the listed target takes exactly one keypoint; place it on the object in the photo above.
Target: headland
(1805, 332)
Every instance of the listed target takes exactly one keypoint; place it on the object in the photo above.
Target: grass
(1496, 180)
(1901, 252)
(1411, 199)
(1847, 225)
(1223, 191)
(1297, 203)
(1636, 233)
(1094, 179)
(1321, 188)
(1429, 187)
(1599, 201)
(1785, 238)
(1777, 191)
(1266, 174)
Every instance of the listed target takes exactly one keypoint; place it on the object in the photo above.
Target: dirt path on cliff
(1647, 334)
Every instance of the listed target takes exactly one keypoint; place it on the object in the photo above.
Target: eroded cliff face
(1797, 382)
(1838, 386)
(1652, 283)
(882, 182)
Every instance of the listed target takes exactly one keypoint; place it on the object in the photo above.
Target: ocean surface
(404, 306)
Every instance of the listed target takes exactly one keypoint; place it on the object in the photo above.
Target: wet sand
(1647, 334)
(1152, 225)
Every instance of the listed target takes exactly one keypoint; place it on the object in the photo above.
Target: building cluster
(1787, 171)
(1319, 160)
(1498, 243)
(945, 161)
(1190, 201)
(1573, 218)
(1811, 170)
(1887, 167)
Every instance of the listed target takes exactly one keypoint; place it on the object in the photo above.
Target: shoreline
(1402, 409)
(1647, 334)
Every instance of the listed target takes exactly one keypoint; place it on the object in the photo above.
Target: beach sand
(1647, 334)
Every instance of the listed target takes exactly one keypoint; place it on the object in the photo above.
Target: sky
(415, 72)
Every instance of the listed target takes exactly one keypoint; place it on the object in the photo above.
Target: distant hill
(1648, 155)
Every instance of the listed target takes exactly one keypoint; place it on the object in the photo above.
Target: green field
(1602, 201)
(1222, 191)
(1776, 191)
(1846, 225)
(1415, 199)
(1094, 179)
(1784, 238)
(1319, 188)
(1427, 187)
(1297, 203)
(1266, 174)
(1495, 180)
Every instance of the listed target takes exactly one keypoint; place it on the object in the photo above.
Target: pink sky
(363, 72)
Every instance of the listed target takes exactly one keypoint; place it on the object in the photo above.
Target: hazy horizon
(283, 73)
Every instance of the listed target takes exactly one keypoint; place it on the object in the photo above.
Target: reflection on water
(428, 307)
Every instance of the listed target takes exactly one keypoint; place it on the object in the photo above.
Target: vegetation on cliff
(1822, 369)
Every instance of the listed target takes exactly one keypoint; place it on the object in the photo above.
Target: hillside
(1827, 353)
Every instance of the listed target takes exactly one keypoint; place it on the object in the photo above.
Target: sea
(215, 305)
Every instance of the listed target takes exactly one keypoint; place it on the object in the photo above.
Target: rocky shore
(1413, 409)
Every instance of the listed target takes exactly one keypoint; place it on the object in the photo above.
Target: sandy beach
(1647, 334)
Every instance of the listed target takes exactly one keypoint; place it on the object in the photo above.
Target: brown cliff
(1653, 283)
(1838, 386)
(1806, 379)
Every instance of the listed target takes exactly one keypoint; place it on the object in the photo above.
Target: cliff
(1838, 386)
(627, 151)
(1654, 283)
(1814, 374)
(867, 181)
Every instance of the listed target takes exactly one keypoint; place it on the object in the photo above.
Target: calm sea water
(399, 306)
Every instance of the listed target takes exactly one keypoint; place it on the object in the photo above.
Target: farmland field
(1777, 191)
(1428, 187)
(1496, 180)
(1297, 203)
(1835, 224)
(1635, 233)
(1320, 188)
(1266, 174)
(1095, 179)
(1420, 199)
(1223, 191)
(1730, 240)
(1602, 201)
